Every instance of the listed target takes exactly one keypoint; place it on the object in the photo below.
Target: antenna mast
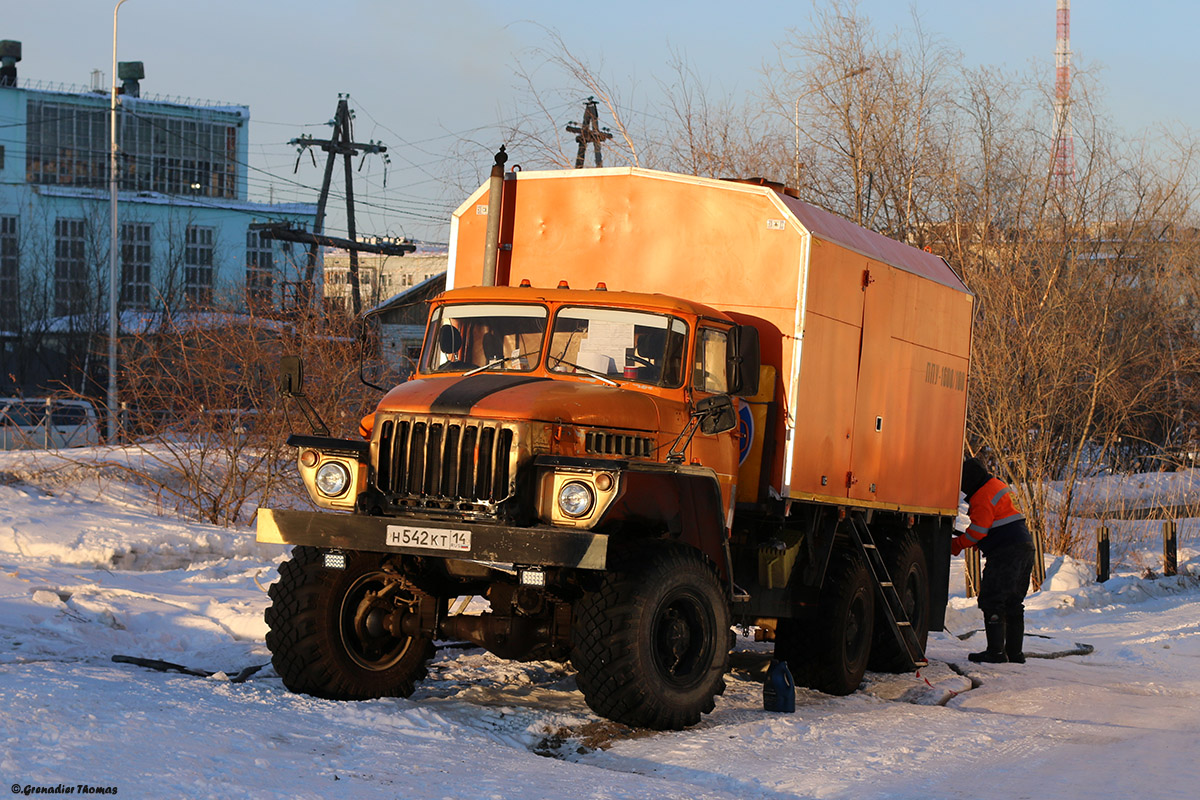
(1063, 160)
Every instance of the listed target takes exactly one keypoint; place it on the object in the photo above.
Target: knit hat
(974, 475)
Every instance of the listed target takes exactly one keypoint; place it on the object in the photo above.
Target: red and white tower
(1062, 164)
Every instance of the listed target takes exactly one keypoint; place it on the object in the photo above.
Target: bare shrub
(203, 414)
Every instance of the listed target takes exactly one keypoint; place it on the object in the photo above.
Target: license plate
(428, 538)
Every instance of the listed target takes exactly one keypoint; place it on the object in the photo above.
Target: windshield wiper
(499, 361)
(592, 372)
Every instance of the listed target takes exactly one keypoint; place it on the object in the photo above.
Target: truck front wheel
(651, 644)
(328, 634)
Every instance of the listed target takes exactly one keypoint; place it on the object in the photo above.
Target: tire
(326, 637)
(829, 652)
(909, 571)
(651, 644)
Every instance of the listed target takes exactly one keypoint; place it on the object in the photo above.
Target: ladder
(902, 628)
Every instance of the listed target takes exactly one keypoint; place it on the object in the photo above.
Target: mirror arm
(362, 357)
(675, 454)
(310, 414)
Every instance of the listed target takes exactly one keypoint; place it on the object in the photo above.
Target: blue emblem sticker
(745, 431)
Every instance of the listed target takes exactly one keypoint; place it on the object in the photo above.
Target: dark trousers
(1005, 581)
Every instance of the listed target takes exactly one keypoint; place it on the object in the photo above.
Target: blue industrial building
(189, 237)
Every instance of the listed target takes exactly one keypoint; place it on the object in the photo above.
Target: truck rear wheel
(909, 572)
(829, 652)
(651, 645)
(328, 636)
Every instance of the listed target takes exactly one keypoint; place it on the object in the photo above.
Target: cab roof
(581, 297)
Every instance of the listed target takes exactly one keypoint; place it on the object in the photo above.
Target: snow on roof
(157, 198)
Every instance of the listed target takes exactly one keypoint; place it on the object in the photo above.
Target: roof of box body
(819, 223)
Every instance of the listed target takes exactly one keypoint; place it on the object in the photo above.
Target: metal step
(893, 607)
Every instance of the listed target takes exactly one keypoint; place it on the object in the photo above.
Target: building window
(9, 280)
(198, 266)
(260, 269)
(70, 267)
(68, 143)
(135, 265)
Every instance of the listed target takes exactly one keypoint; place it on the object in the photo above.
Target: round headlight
(575, 499)
(332, 479)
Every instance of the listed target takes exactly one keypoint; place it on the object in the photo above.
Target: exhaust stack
(495, 201)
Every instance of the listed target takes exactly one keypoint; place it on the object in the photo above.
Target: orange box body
(869, 338)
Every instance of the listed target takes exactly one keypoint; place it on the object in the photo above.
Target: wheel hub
(362, 622)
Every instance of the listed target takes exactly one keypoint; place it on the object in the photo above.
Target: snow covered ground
(88, 570)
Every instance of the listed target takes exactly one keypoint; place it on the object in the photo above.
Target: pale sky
(423, 76)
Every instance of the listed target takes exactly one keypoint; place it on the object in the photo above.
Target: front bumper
(538, 546)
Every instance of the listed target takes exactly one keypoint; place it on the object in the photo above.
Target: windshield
(615, 343)
(480, 336)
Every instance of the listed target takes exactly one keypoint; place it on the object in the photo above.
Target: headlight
(332, 479)
(575, 499)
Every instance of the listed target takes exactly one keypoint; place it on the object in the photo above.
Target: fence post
(1170, 549)
(1103, 565)
(1039, 561)
(1103, 571)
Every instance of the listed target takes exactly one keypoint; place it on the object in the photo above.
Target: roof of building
(430, 286)
(158, 198)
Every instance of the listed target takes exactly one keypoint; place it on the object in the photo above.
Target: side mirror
(450, 339)
(742, 360)
(716, 414)
(291, 376)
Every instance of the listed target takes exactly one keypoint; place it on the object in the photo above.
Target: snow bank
(90, 568)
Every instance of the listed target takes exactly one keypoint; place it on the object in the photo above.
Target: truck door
(718, 452)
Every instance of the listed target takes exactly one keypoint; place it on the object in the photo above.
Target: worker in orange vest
(998, 530)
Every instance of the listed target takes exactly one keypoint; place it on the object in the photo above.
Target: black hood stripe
(462, 396)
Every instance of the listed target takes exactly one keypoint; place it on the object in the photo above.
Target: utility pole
(589, 132)
(341, 142)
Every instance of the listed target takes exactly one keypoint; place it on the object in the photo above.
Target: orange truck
(685, 404)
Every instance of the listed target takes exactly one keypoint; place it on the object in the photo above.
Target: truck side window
(708, 373)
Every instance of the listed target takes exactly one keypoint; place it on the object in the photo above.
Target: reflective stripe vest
(991, 507)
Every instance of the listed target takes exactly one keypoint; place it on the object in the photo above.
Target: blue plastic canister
(779, 691)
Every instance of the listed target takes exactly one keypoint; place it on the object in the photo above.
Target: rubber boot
(993, 627)
(1015, 637)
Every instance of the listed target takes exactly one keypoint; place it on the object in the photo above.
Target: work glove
(957, 545)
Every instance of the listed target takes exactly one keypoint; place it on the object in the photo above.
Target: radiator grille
(445, 461)
(615, 444)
